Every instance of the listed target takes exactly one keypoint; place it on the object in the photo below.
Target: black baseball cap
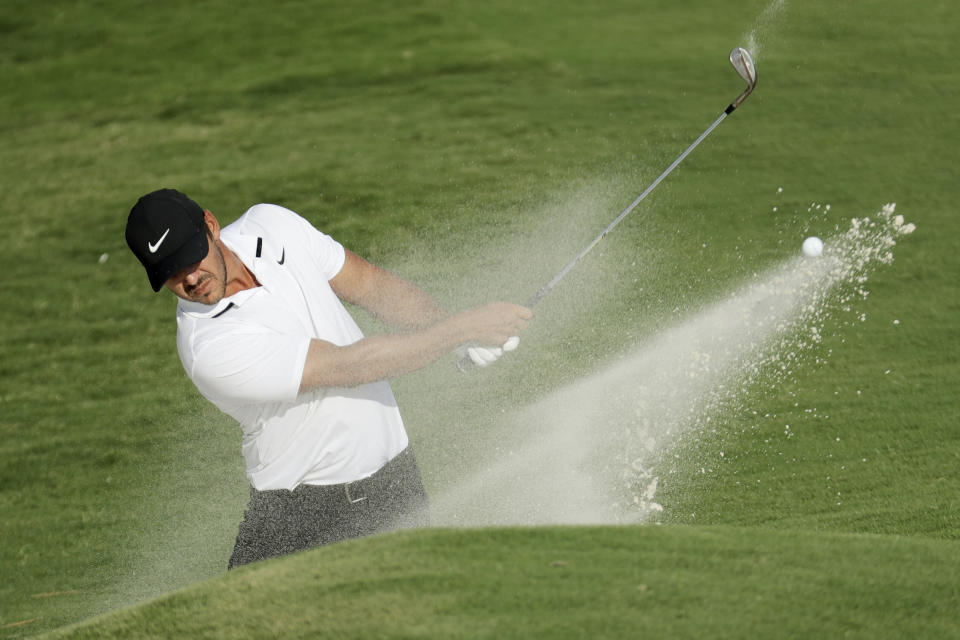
(166, 231)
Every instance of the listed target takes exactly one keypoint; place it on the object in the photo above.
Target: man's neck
(239, 277)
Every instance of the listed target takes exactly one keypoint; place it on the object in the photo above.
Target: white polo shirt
(246, 355)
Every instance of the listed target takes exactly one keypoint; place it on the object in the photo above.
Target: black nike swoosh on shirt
(283, 256)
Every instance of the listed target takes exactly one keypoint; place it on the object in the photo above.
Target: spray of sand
(588, 453)
(766, 24)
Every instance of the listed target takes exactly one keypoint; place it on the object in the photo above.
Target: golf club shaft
(743, 63)
(465, 363)
(545, 289)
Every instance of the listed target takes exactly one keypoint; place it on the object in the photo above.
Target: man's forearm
(405, 306)
(397, 302)
(386, 356)
(376, 357)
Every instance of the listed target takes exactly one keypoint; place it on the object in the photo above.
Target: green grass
(475, 148)
(718, 582)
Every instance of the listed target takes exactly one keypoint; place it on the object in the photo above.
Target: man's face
(205, 281)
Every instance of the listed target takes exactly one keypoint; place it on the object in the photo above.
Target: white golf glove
(485, 356)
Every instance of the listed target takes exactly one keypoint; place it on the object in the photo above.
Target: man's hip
(279, 522)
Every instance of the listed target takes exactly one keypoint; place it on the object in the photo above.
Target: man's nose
(191, 275)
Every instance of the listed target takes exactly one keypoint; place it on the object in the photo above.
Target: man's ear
(212, 224)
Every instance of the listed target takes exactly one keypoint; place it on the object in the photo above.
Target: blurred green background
(474, 148)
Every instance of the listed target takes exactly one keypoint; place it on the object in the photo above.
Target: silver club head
(743, 63)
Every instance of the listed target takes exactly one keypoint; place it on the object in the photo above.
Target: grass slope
(717, 582)
(473, 148)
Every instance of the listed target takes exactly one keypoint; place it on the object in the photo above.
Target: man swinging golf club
(263, 334)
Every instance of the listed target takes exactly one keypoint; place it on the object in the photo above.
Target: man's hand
(485, 356)
(497, 323)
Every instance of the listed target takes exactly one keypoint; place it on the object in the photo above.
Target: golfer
(264, 336)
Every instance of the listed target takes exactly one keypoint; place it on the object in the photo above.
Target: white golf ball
(812, 246)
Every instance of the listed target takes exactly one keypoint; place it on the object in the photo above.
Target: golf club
(743, 63)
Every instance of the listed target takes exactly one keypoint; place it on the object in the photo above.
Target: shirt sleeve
(250, 365)
(327, 253)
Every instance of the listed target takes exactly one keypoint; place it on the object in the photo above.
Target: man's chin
(207, 297)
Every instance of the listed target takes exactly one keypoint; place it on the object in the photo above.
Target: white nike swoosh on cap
(153, 247)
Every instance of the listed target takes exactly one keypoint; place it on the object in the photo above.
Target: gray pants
(280, 522)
